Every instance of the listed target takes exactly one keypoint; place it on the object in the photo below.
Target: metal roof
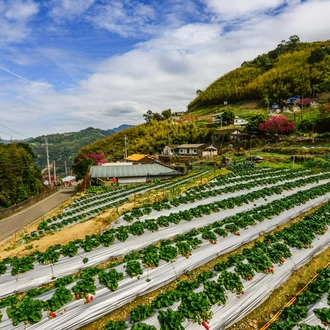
(131, 171)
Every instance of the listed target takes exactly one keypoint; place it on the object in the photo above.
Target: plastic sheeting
(43, 274)
(79, 314)
(256, 291)
(311, 319)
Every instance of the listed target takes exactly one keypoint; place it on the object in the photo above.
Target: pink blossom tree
(277, 125)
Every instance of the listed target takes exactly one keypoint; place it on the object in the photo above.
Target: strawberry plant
(143, 326)
(151, 225)
(204, 276)
(151, 259)
(215, 292)
(122, 234)
(184, 286)
(60, 297)
(21, 265)
(3, 267)
(230, 281)
(166, 299)
(112, 325)
(168, 253)
(27, 310)
(133, 268)
(244, 270)
(170, 320)
(184, 248)
(195, 306)
(309, 327)
(69, 250)
(84, 286)
(294, 313)
(137, 228)
(110, 278)
(141, 312)
(323, 314)
(106, 239)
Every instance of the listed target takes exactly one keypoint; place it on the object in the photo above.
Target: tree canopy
(19, 176)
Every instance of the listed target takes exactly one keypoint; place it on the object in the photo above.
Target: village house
(199, 150)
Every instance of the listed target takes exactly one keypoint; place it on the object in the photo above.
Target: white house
(240, 121)
(200, 150)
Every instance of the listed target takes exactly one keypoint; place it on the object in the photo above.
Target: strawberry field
(69, 286)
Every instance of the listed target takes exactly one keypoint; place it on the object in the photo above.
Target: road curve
(10, 225)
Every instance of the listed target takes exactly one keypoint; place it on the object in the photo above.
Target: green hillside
(63, 147)
(293, 68)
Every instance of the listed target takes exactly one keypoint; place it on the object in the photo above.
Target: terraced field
(69, 286)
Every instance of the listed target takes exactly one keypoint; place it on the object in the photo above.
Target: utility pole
(54, 168)
(66, 171)
(48, 166)
(125, 148)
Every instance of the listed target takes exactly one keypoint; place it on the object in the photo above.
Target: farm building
(132, 174)
(199, 150)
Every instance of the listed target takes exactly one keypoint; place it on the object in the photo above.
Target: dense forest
(20, 177)
(293, 68)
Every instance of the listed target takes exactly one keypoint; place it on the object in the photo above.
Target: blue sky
(66, 65)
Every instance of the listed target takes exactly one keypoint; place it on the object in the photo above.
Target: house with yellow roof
(140, 159)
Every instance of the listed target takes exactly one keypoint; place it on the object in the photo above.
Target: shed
(133, 174)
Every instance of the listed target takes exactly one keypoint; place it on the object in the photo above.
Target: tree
(277, 125)
(317, 55)
(166, 114)
(228, 117)
(254, 122)
(148, 116)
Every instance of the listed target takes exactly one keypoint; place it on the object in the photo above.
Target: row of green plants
(274, 249)
(84, 213)
(294, 314)
(53, 253)
(136, 213)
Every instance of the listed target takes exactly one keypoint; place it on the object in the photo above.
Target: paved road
(10, 225)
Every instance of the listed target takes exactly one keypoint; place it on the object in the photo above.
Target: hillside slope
(63, 147)
(292, 68)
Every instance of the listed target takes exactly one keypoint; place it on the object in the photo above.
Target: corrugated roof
(131, 171)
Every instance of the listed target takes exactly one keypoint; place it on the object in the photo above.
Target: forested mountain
(19, 176)
(63, 147)
(293, 68)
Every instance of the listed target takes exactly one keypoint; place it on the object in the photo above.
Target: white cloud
(69, 8)
(236, 9)
(21, 10)
(124, 17)
(14, 19)
(163, 72)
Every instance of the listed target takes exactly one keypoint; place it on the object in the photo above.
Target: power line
(18, 127)
(14, 130)
(9, 135)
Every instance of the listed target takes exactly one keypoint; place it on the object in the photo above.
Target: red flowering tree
(97, 159)
(277, 125)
